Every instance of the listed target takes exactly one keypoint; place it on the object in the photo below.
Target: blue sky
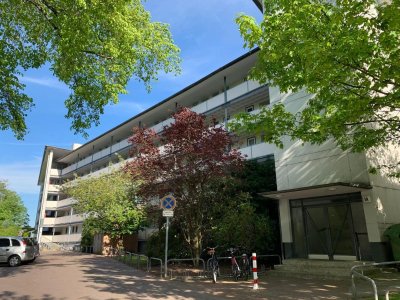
(208, 37)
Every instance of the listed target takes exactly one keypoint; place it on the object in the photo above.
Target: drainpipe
(225, 102)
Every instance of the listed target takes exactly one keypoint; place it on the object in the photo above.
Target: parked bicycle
(245, 266)
(212, 263)
(241, 269)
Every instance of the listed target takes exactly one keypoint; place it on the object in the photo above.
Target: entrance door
(329, 231)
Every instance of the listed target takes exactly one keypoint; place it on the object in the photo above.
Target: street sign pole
(166, 247)
(167, 203)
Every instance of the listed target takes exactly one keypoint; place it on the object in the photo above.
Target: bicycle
(242, 270)
(244, 261)
(212, 264)
(236, 272)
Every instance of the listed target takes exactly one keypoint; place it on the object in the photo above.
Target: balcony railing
(55, 172)
(258, 150)
(62, 220)
(65, 238)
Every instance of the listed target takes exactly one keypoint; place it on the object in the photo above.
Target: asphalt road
(73, 276)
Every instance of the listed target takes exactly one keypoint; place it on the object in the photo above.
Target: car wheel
(14, 261)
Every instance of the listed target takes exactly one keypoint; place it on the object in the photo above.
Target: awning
(318, 191)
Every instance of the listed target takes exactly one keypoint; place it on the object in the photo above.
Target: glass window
(251, 141)
(4, 242)
(15, 243)
(249, 108)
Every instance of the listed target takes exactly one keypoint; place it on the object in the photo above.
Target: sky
(206, 33)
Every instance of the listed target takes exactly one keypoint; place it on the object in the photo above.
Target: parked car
(15, 249)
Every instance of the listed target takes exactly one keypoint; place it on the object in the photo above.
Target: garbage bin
(393, 234)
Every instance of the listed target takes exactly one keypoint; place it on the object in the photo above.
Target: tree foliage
(13, 213)
(94, 47)
(192, 157)
(241, 226)
(108, 202)
(346, 53)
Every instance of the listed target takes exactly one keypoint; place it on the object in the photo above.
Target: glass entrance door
(329, 231)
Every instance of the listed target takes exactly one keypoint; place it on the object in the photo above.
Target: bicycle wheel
(235, 272)
(214, 272)
(246, 272)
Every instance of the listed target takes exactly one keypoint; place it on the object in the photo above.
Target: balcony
(63, 238)
(51, 204)
(258, 150)
(68, 220)
(48, 222)
(65, 203)
(53, 188)
(55, 172)
(232, 93)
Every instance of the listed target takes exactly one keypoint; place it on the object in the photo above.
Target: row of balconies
(203, 107)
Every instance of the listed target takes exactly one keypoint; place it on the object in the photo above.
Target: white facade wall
(301, 165)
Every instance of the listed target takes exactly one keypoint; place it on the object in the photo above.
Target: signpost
(168, 204)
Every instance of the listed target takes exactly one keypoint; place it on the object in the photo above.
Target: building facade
(330, 206)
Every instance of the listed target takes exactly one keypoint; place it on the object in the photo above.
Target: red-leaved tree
(185, 159)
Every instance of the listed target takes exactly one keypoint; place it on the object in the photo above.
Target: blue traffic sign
(168, 202)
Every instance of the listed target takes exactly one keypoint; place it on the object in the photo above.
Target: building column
(286, 228)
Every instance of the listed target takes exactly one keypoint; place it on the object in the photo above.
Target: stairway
(312, 268)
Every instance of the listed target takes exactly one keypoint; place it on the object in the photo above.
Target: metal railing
(355, 273)
(187, 270)
(158, 260)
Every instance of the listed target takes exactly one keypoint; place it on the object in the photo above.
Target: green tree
(13, 213)
(242, 227)
(109, 204)
(346, 53)
(94, 47)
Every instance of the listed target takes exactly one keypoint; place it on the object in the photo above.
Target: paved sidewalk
(72, 276)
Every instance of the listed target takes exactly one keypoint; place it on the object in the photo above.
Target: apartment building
(330, 206)
(220, 94)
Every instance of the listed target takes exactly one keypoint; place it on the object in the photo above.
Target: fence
(178, 267)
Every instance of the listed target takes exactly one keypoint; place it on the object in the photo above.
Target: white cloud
(44, 81)
(21, 176)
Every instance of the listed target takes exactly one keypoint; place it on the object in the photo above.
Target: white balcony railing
(54, 188)
(258, 150)
(51, 204)
(62, 220)
(68, 219)
(65, 238)
(55, 172)
(65, 203)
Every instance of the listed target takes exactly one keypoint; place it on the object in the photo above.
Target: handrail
(161, 265)
(354, 273)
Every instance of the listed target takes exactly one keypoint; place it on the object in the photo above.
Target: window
(4, 243)
(251, 141)
(15, 243)
(249, 108)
